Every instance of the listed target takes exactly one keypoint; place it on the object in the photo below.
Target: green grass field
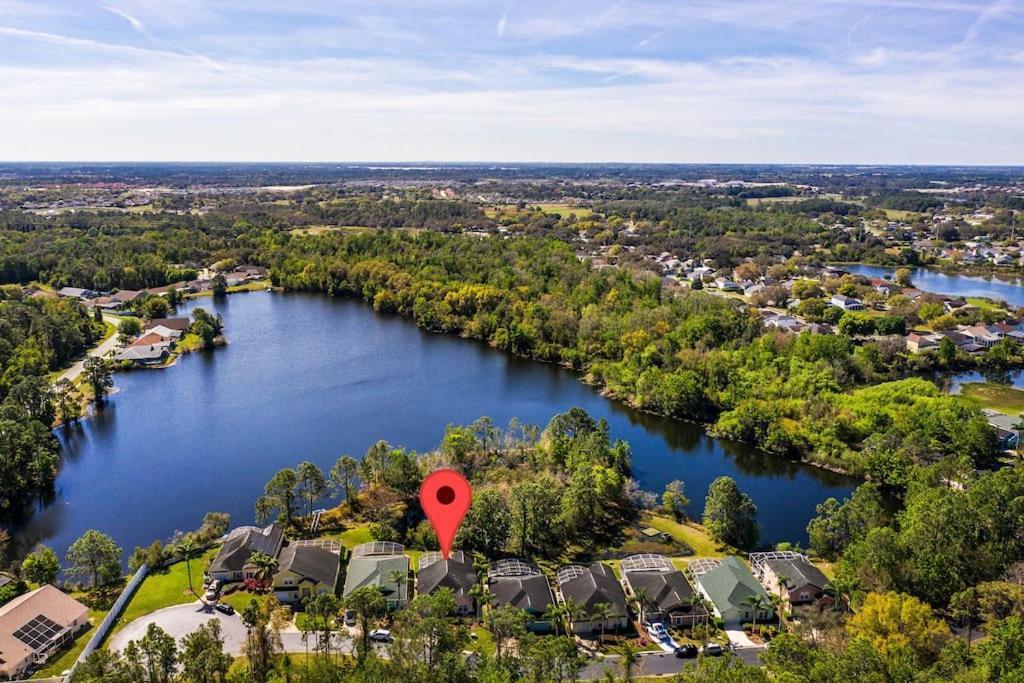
(165, 588)
(565, 209)
(691, 534)
(999, 397)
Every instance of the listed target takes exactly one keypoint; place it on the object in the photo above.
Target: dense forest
(36, 337)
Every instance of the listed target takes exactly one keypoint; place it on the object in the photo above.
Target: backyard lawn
(999, 397)
(690, 533)
(165, 588)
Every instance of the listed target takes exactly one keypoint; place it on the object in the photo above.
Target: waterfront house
(846, 303)
(1006, 427)
(179, 324)
(588, 587)
(232, 562)
(789, 575)
(455, 573)
(305, 569)
(669, 596)
(919, 342)
(382, 564)
(125, 296)
(727, 586)
(35, 626)
(520, 584)
(144, 354)
(165, 332)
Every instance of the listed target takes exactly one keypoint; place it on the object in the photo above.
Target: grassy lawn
(254, 286)
(565, 209)
(691, 533)
(898, 215)
(999, 397)
(984, 304)
(357, 535)
(484, 641)
(165, 588)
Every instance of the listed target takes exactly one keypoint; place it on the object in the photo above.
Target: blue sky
(859, 81)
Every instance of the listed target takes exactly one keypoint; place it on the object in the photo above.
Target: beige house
(36, 625)
(789, 575)
(306, 570)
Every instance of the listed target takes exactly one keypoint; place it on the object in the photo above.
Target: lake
(309, 377)
(951, 285)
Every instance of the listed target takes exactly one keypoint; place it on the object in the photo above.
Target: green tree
(219, 285)
(264, 566)
(279, 495)
(674, 501)
(156, 654)
(486, 526)
(892, 620)
(368, 603)
(263, 639)
(343, 476)
(187, 548)
(312, 484)
(96, 556)
(730, 515)
(68, 408)
(127, 330)
(202, 654)
(41, 565)
(156, 307)
(99, 375)
(322, 609)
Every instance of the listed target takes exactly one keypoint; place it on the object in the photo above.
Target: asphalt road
(654, 664)
(104, 347)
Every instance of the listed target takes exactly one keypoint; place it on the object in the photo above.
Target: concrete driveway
(180, 620)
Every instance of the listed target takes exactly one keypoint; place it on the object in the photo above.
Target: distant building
(35, 626)
(846, 303)
(76, 293)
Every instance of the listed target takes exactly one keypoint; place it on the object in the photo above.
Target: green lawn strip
(166, 587)
(565, 209)
(255, 286)
(691, 534)
(1005, 399)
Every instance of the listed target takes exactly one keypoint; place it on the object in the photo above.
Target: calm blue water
(310, 377)
(951, 285)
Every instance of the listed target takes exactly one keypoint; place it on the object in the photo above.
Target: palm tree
(630, 656)
(640, 600)
(264, 564)
(601, 613)
(755, 602)
(554, 614)
(839, 587)
(399, 578)
(187, 548)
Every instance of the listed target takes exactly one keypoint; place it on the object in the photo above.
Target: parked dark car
(687, 651)
(224, 608)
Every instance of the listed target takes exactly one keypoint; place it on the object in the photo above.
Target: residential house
(588, 587)
(919, 342)
(146, 354)
(980, 335)
(456, 573)
(382, 564)
(669, 596)
(76, 293)
(107, 303)
(846, 303)
(789, 575)
(728, 586)
(178, 324)
(1006, 427)
(232, 562)
(520, 584)
(885, 287)
(305, 569)
(165, 332)
(36, 625)
(124, 296)
(727, 285)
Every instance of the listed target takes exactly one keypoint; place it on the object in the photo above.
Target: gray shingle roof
(310, 562)
(799, 572)
(456, 573)
(596, 584)
(669, 591)
(241, 545)
(531, 593)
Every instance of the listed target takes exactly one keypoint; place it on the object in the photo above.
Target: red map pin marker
(445, 496)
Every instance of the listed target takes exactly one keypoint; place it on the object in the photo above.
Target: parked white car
(658, 631)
